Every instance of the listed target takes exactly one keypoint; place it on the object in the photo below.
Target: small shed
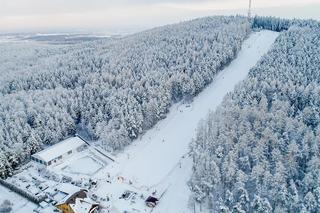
(152, 201)
(60, 151)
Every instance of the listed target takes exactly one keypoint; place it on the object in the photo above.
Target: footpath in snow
(155, 158)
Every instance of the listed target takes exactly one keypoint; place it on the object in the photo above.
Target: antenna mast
(249, 11)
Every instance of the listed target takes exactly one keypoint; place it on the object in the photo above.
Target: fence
(23, 193)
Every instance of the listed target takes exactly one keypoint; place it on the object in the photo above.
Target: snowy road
(152, 160)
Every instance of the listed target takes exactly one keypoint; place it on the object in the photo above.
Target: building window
(69, 152)
(49, 163)
(60, 157)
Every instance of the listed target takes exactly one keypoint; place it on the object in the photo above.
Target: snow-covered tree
(264, 138)
(114, 89)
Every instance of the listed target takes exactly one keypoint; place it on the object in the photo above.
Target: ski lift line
(143, 187)
(249, 11)
(171, 171)
(162, 194)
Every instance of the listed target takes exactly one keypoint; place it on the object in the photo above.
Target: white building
(60, 151)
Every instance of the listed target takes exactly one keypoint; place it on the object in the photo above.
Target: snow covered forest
(112, 89)
(259, 152)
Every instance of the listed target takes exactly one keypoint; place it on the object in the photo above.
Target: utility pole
(249, 11)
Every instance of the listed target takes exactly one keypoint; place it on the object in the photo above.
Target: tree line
(114, 89)
(259, 152)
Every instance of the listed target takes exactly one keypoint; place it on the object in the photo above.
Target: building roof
(68, 188)
(69, 191)
(58, 149)
(152, 199)
(83, 205)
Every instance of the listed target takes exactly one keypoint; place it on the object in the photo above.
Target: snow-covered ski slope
(158, 151)
(158, 160)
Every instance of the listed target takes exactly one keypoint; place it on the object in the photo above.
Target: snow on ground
(156, 153)
(86, 165)
(20, 204)
(158, 161)
(36, 180)
(81, 165)
(152, 160)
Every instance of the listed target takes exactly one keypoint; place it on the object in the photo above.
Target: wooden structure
(152, 201)
(77, 202)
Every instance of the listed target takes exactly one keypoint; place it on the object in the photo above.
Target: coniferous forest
(112, 89)
(259, 152)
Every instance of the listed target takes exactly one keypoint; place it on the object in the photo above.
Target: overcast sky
(113, 16)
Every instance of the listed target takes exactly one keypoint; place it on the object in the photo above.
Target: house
(152, 201)
(67, 193)
(84, 205)
(75, 200)
(59, 152)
